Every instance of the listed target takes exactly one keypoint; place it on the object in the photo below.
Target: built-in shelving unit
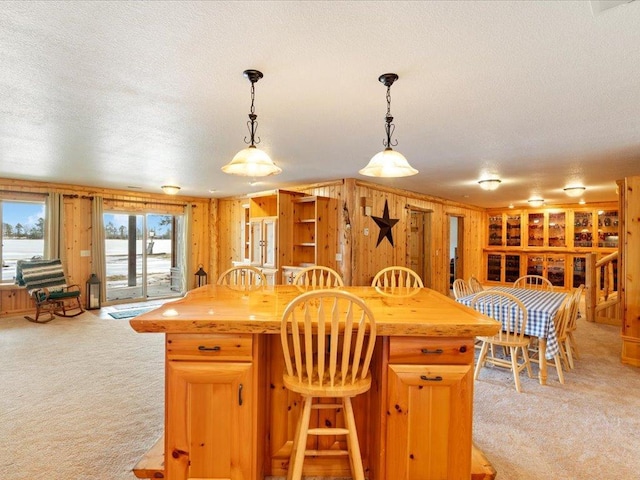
(554, 244)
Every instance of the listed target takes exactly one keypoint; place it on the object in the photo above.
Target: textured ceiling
(142, 94)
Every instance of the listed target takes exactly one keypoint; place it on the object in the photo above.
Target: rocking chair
(46, 283)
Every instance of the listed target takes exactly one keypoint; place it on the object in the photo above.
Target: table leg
(542, 352)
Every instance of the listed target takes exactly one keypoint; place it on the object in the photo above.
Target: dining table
(541, 306)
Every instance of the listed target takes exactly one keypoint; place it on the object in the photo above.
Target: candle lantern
(201, 277)
(93, 292)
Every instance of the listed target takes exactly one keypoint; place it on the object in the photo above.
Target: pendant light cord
(252, 124)
(389, 127)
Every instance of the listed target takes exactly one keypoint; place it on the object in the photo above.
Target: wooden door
(437, 399)
(209, 424)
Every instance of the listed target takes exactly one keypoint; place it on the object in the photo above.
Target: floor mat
(133, 312)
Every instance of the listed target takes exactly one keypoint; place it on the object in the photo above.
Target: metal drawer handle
(426, 351)
(240, 394)
(202, 348)
(431, 379)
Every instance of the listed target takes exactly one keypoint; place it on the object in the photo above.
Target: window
(22, 234)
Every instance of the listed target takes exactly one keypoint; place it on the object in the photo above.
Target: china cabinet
(550, 242)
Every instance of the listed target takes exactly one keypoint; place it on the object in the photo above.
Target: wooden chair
(533, 282)
(318, 276)
(475, 285)
(397, 276)
(570, 347)
(46, 283)
(507, 309)
(243, 277)
(327, 338)
(461, 288)
(560, 323)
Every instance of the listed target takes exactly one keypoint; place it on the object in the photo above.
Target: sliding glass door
(143, 256)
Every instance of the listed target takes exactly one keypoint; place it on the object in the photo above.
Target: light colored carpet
(81, 398)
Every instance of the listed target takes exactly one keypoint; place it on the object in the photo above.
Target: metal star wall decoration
(386, 224)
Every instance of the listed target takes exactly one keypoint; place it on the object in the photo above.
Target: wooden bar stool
(327, 339)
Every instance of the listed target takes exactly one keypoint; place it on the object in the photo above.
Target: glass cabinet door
(513, 230)
(579, 271)
(583, 229)
(535, 265)
(557, 224)
(555, 269)
(608, 229)
(512, 268)
(495, 230)
(494, 267)
(536, 230)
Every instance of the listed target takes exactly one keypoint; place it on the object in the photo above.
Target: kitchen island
(229, 416)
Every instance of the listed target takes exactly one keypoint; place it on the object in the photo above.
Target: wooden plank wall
(361, 259)
(77, 209)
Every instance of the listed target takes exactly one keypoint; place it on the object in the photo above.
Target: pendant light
(251, 161)
(388, 163)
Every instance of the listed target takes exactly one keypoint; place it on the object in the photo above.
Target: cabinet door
(209, 423)
(436, 402)
(269, 240)
(255, 242)
(495, 230)
(535, 237)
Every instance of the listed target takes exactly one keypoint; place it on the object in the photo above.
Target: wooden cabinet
(505, 230)
(210, 398)
(263, 241)
(503, 267)
(546, 229)
(551, 242)
(551, 266)
(426, 376)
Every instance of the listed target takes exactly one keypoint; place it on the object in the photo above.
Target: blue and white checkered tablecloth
(541, 308)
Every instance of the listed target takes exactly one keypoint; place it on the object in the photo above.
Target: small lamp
(93, 292)
(201, 277)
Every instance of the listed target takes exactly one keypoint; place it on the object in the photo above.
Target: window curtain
(98, 260)
(187, 266)
(54, 246)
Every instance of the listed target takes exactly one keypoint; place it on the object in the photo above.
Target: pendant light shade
(388, 163)
(251, 161)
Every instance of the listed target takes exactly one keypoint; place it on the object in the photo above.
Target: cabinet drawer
(416, 350)
(210, 346)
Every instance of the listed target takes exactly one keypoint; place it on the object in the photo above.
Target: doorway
(142, 258)
(456, 248)
(419, 244)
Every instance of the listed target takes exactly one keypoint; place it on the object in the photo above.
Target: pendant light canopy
(388, 163)
(251, 161)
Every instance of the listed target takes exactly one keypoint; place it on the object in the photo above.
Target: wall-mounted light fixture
(489, 183)
(536, 202)
(251, 161)
(170, 189)
(574, 191)
(388, 163)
